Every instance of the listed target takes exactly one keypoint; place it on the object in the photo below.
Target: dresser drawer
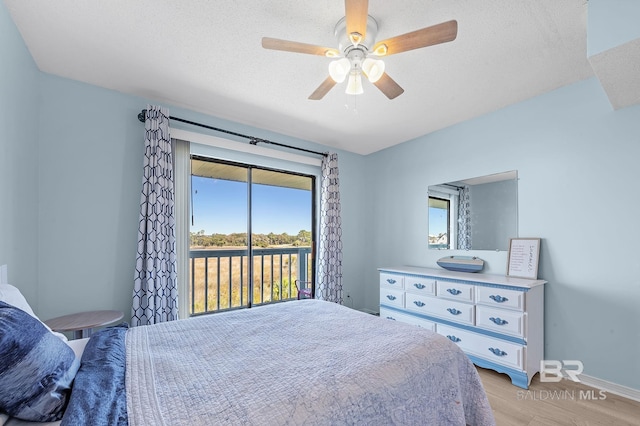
(391, 281)
(420, 285)
(501, 320)
(491, 349)
(454, 291)
(392, 297)
(448, 309)
(409, 319)
(504, 298)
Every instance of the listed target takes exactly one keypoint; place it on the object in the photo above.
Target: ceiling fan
(357, 51)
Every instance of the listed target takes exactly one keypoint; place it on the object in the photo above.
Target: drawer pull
(497, 352)
(499, 321)
(454, 291)
(419, 286)
(391, 297)
(391, 318)
(391, 281)
(418, 303)
(453, 338)
(497, 298)
(454, 311)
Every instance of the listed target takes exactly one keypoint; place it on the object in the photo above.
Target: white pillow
(11, 295)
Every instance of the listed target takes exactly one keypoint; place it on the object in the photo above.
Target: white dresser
(497, 320)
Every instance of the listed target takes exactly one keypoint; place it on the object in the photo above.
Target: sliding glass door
(248, 221)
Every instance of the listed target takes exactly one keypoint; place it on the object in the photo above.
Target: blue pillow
(36, 370)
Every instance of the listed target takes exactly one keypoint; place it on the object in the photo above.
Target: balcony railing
(219, 277)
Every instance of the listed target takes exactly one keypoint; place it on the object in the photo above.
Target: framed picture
(524, 254)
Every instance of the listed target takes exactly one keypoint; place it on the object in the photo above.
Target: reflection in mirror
(474, 214)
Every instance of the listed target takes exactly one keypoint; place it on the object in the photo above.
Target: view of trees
(200, 240)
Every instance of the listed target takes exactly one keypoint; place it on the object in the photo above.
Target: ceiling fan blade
(323, 89)
(389, 87)
(356, 12)
(436, 34)
(297, 47)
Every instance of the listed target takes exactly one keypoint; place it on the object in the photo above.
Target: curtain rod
(252, 139)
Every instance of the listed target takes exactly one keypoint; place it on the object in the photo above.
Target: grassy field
(273, 280)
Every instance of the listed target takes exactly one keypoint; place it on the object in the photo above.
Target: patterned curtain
(329, 284)
(464, 219)
(155, 297)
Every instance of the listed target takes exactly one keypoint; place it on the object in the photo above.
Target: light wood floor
(561, 403)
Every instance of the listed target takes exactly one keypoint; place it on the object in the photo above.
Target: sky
(437, 221)
(220, 207)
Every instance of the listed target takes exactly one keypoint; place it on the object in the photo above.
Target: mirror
(474, 214)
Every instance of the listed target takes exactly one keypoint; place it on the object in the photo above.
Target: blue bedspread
(302, 362)
(305, 362)
(98, 396)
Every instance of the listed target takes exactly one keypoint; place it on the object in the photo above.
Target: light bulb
(380, 50)
(354, 85)
(339, 69)
(373, 69)
(331, 53)
(355, 38)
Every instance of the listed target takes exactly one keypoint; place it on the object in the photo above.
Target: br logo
(552, 370)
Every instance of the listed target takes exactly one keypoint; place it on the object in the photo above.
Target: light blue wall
(577, 167)
(19, 110)
(611, 23)
(90, 159)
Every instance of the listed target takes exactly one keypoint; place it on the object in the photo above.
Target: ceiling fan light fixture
(354, 85)
(373, 69)
(356, 34)
(339, 69)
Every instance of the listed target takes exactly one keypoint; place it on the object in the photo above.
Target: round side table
(82, 323)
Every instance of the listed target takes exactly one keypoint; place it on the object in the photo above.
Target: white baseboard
(610, 387)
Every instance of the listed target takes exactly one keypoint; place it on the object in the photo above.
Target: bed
(301, 362)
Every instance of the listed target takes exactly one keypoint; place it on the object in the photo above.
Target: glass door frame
(250, 249)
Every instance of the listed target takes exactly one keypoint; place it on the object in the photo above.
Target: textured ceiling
(619, 72)
(207, 56)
